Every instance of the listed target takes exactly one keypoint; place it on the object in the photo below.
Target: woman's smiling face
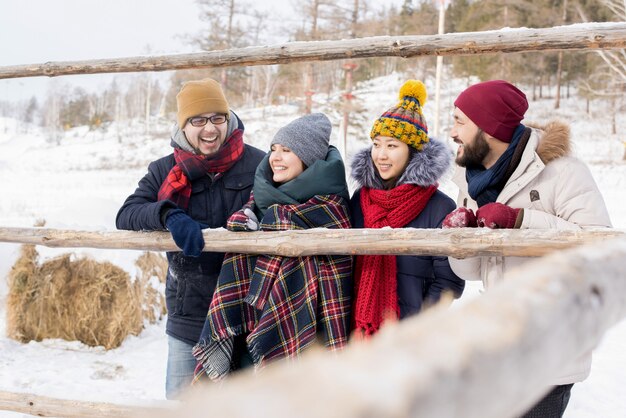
(285, 164)
(390, 157)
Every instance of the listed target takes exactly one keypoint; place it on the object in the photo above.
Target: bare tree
(263, 78)
(616, 59)
(30, 111)
(611, 82)
(324, 19)
(559, 69)
(226, 28)
(52, 111)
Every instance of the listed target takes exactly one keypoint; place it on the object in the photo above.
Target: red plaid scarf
(375, 275)
(189, 167)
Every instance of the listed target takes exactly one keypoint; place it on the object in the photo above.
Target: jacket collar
(547, 143)
(553, 140)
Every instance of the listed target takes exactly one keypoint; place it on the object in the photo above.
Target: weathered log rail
(44, 406)
(458, 243)
(491, 357)
(441, 363)
(608, 35)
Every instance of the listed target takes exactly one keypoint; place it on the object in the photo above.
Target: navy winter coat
(421, 279)
(190, 281)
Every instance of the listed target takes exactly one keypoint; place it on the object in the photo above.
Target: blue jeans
(180, 367)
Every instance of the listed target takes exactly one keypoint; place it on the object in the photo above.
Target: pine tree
(31, 111)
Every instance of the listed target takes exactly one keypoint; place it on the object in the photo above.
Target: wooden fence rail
(490, 357)
(44, 406)
(572, 37)
(493, 356)
(459, 243)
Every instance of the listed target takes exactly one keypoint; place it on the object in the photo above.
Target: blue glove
(186, 232)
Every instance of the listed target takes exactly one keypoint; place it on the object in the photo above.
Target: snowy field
(81, 183)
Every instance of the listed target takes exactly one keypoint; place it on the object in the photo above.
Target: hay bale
(151, 274)
(96, 303)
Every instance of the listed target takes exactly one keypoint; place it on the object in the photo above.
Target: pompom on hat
(497, 107)
(405, 121)
(200, 96)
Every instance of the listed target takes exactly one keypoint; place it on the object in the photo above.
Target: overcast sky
(37, 31)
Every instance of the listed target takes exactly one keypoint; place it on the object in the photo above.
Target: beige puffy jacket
(556, 191)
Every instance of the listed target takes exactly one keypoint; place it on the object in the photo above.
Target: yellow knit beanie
(405, 120)
(198, 97)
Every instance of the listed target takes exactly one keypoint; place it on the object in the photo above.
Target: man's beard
(474, 155)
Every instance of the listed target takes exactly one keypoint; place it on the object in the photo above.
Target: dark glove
(497, 215)
(186, 232)
(460, 218)
(253, 222)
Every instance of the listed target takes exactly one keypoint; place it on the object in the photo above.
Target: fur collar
(425, 168)
(554, 140)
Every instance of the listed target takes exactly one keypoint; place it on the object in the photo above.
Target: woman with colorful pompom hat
(397, 186)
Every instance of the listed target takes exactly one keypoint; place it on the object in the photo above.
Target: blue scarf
(484, 185)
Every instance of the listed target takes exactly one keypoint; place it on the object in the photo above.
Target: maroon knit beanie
(496, 106)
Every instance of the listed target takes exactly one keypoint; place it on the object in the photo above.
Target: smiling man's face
(207, 139)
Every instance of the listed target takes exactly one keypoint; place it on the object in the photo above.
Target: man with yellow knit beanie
(208, 176)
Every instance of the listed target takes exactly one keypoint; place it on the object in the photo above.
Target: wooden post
(348, 67)
(439, 69)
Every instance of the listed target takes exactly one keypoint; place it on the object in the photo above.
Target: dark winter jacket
(421, 279)
(190, 281)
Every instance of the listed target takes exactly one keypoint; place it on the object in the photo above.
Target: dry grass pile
(94, 302)
(151, 273)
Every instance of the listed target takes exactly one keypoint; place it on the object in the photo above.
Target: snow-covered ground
(81, 183)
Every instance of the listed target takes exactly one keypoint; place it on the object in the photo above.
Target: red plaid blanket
(282, 303)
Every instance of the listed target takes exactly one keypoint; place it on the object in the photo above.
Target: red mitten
(497, 215)
(460, 218)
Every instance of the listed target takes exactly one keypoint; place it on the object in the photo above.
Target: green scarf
(323, 177)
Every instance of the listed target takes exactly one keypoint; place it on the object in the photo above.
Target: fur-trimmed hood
(555, 140)
(425, 168)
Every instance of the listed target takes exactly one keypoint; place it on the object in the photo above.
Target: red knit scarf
(189, 167)
(375, 275)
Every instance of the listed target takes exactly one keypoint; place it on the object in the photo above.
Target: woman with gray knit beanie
(277, 306)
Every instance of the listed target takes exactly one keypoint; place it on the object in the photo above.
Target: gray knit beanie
(308, 137)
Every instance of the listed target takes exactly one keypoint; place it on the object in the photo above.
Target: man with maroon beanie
(206, 178)
(515, 176)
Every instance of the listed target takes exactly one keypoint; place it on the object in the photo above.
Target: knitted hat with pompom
(405, 120)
